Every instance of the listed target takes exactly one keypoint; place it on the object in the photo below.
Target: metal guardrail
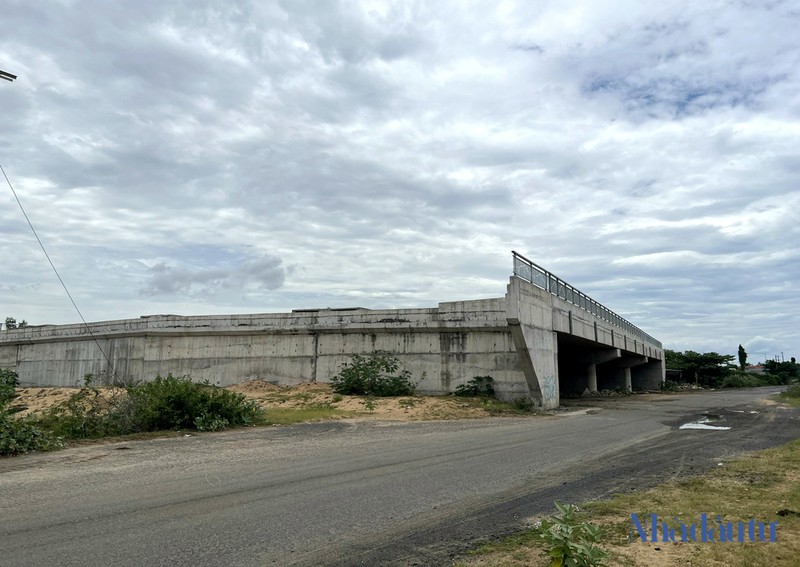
(540, 277)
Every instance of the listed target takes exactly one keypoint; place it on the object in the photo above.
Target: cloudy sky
(221, 156)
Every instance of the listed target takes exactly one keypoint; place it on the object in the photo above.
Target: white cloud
(213, 157)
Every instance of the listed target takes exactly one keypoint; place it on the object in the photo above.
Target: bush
(792, 391)
(478, 386)
(372, 376)
(9, 381)
(163, 404)
(179, 403)
(17, 437)
(740, 380)
(86, 414)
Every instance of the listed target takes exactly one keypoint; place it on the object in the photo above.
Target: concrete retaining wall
(442, 347)
(516, 339)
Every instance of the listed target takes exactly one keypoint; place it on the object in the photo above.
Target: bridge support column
(650, 375)
(592, 373)
(627, 372)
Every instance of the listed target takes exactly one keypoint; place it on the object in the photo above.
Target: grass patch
(758, 486)
(496, 407)
(791, 395)
(311, 412)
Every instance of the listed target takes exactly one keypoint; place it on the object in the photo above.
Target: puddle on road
(704, 423)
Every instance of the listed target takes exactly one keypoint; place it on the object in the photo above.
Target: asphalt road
(356, 493)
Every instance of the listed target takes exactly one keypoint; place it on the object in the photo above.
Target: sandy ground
(302, 396)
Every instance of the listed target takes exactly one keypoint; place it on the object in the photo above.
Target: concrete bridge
(542, 339)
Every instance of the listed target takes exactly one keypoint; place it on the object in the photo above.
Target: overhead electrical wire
(52, 265)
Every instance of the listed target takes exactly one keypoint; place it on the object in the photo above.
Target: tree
(708, 369)
(742, 358)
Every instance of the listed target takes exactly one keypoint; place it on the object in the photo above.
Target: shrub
(86, 414)
(178, 403)
(522, 404)
(372, 376)
(478, 386)
(9, 380)
(164, 403)
(671, 386)
(17, 437)
(739, 380)
(569, 542)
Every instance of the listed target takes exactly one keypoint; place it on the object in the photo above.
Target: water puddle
(704, 423)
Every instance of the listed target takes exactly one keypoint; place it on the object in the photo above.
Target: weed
(369, 403)
(522, 404)
(372, 376)
(571, 543)
(336, 399)
(477, 386)
(671, 386)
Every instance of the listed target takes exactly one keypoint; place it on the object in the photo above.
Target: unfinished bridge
(542, 339)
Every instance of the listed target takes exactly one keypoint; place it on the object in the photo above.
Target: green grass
(312, 412)
(791, 395)
(496, 407)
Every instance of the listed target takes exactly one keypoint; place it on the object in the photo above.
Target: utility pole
(7, 76)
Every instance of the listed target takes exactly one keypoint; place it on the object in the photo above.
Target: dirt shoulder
(314, 400)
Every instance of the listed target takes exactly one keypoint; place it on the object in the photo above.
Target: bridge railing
(540, 277)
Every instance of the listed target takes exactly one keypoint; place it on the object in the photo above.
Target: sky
(229, 156)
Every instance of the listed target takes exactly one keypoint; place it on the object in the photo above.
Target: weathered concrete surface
(516, 339)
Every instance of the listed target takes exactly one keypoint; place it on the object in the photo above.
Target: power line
(41, 245)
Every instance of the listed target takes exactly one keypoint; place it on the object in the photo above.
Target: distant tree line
(714, 370)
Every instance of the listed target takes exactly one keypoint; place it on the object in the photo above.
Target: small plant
(571, 543)
(522, 404)
(205, 422)
(369, 403)
(372, 375)
(671, 386)
(478, 386)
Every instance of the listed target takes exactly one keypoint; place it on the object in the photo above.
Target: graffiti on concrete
(549, 387)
